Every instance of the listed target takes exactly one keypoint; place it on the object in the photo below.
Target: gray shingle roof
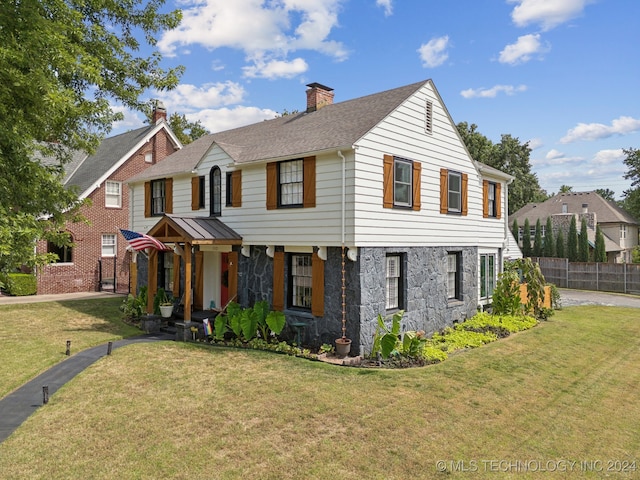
(606, 212)
(334, 126)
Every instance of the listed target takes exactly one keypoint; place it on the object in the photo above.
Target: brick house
(99, 251)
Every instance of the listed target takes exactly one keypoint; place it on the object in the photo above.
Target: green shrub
(20, 284)
(433, 354)
(501, 325)
(451, 339)
(134, 307)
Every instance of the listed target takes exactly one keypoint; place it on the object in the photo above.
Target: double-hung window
(402, 182)
(453, 276)
(394, 282)
(454, 192)
(290, 183)
(487, 275)
(108, 244)
(491, 193)
(113, 194)
(301, 280)
(158, 197)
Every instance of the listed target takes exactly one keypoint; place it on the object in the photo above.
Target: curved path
(16, 407)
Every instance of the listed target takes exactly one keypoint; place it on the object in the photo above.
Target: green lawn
(565, 391)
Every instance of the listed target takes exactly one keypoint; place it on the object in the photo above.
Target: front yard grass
(565, 391)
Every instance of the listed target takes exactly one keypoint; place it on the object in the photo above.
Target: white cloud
(596, 131)
(262, 30)
(276, 68)
(522, 50)
(433, 53)
(535, 143)
(607, 157)
(493, 91)
(553, 154)
(221, 119)
(187, 98)
(387, 5)
(546, 13)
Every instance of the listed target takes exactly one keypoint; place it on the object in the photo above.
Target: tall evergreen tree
(583, 242)
(537, 240)
(526, 239)
(515, 229)
(572, 241)
(600, 252)
(548, 244)
(560, 245)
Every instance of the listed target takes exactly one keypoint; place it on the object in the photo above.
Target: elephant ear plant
(248, 323)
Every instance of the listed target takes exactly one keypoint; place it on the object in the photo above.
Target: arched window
(215, 200)
(65, 254)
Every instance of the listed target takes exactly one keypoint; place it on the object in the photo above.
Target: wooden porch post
(152, 279)
(187, 282)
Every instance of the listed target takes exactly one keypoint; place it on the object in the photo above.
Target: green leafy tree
(572, 241)
(61, 65)
(509, 156)
(606, 193)
(548, 243)
(560, 245)
(537, 240)
(185, 130)
(583, 242)
(631, 197)
(565, 189)
(526, 238)
(600, 252)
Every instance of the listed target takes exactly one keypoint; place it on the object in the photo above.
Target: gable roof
(195, 230)
(335, 126)
(88, 171)
(606, 211)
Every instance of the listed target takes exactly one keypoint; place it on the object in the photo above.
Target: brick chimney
(159, 112)
(318, 96)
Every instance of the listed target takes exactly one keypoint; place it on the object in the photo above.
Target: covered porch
(204, 262)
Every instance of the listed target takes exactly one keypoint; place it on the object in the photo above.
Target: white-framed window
(454, 192)
(453, 276)
(109, 247)
(487, 275)
(158, 197)
(491, 193)
(148, 157)
(623, 232)
(394, 282)
(291, 183)
(301, 281)
(402, 182)
(113, 194)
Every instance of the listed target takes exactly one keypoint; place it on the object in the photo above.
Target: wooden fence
(606, 277)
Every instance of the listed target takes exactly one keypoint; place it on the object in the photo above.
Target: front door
(224, 279)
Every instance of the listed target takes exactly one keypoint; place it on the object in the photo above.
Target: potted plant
(165, 304)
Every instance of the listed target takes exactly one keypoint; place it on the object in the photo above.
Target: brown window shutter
(309, 179)
(168, 192)
(498, 200)
(152, 279)
(147, 199)
(198, 288)
(444, 190)
(236, 188)
(232, 275)
(465, 202)
(485, 198)
(195, 193)
(417, 171)
(317, 286)
(272, 186)
(387, 182)
(176, 275)
(278, 281)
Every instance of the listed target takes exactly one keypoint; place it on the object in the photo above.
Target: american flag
(140, 241)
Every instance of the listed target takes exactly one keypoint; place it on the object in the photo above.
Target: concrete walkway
(16, 407)
(12, 300)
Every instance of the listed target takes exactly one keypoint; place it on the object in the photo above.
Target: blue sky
(563, 75)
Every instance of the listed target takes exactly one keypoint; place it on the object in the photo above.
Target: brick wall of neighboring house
(82, 274)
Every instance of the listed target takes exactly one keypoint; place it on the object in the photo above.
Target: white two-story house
(342, 212)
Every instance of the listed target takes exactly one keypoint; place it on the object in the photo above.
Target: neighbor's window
(148, 157)
(65, 254)
(290, 183)
(113, 194)
(487, 275)
(394, 282)
(623, 231)
(108, 244)
(158, 197)
(453, 276)
(402, 182)
(300, 280)
(454, 192)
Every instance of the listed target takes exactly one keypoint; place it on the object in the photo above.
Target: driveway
(570, 298)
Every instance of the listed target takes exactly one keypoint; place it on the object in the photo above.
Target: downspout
(505, 243)
(344, 194)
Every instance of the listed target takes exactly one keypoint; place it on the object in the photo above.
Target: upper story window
(290, 183)
(64, 253)
(491, 199)
(394, 282)
(228, 201)
(401, 183)
(453, 192)
(215, 200)
(109, 244)
(623, 232)
(148, 157)
(158, 197)
(113, 194)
